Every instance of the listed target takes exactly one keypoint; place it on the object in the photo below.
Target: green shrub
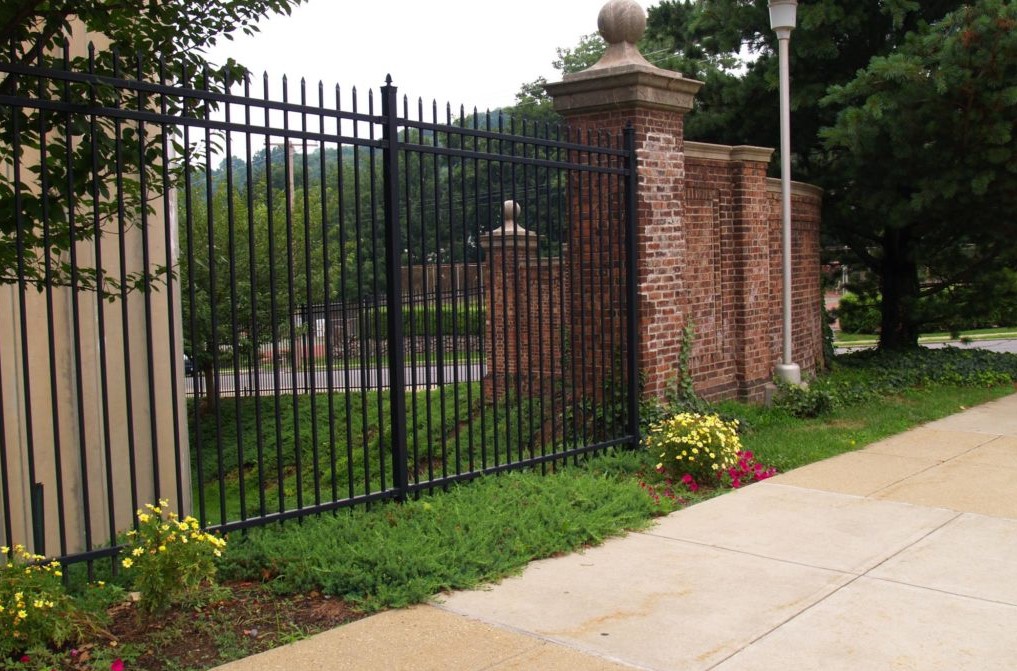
(459, 318)
(803, 401)
(858, 314)
(866, 374)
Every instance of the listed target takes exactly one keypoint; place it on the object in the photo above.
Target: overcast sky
(458, 51)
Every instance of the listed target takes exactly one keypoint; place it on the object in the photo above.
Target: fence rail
(297, 251)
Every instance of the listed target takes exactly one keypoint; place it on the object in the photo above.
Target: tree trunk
(211, 390)
(900, 290)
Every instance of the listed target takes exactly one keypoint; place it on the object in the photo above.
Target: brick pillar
(507, 330)
(751, 270)
(619, 89)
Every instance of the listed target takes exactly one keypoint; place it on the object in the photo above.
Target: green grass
(321, 451)
(786, 442)
(391, 554)
(865, 339)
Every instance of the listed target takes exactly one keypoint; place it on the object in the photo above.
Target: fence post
(631, 283)
(393, 286)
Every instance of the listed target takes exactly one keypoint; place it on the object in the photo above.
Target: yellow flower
(127, 562)
(162, 548)
(18, 596)
(22, 615)
(137, 552)
(143, 518)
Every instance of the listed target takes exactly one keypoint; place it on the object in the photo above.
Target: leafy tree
(532, 101)
(834, 39)
(69, 196)
(905, 195)
(923, 152)
(252, 251)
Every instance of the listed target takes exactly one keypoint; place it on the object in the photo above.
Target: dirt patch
(248, 619)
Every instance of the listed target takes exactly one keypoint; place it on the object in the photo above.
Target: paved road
(1002, 345)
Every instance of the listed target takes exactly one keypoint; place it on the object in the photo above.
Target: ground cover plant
(283, 582)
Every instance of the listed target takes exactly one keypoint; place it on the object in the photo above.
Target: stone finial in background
(510, 211)
(621, 23)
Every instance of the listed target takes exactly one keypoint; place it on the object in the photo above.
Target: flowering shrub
(747, 470)
(171, 559)
(694, 445)
(34, 607)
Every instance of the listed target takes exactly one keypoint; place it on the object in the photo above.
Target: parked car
(188, 366)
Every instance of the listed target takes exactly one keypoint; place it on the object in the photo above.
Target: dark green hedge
(417, 321)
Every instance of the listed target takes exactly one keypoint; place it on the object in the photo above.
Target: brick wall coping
(623, 87)
(797, 188)
(723, 152)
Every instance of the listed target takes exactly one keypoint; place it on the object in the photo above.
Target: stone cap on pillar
(510, 234)
(622, 78)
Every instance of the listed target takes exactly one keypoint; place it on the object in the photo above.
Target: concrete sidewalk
(902, 555)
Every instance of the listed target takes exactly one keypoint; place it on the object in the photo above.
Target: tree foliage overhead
(834, 39)
(48, 205)
(924, 158)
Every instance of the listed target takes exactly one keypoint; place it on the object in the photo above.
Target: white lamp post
(782, 21)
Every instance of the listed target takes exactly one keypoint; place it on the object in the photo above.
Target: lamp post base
(789, 372)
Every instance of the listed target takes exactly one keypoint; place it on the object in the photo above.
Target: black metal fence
(203, 299)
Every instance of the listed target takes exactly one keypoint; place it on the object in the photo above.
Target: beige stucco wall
(92, 442)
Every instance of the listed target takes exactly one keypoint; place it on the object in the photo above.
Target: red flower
(117, 665)
(25, 659)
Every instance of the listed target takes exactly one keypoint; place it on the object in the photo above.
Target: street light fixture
(782, 21)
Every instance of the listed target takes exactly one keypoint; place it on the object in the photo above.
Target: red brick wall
(709, 253)
(806, 293)
(527, 302)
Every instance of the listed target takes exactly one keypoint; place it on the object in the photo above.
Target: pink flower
(117, 665)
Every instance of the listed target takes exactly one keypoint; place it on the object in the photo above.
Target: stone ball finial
(510, 211)
(621, 21)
